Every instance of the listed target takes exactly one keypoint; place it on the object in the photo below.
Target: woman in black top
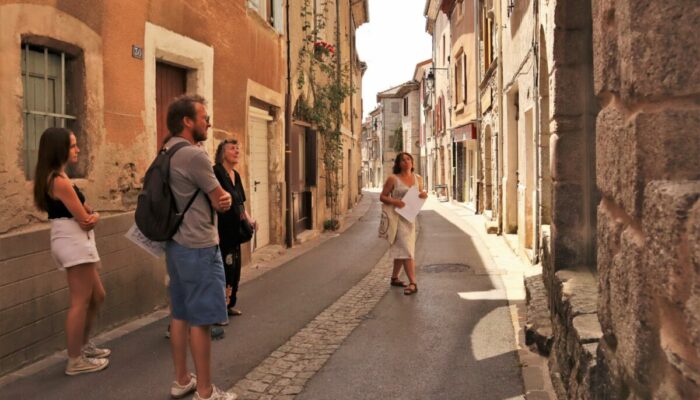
(226, 158)
(72, 246)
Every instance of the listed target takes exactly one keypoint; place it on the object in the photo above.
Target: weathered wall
(391, 121)
(118, 143)
(648, 170)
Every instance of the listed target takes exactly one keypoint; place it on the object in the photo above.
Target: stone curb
(248, 273)
(283, 374)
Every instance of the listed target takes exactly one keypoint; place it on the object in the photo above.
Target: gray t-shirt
(190, 169)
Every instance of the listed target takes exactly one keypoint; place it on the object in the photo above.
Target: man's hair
(181, 107)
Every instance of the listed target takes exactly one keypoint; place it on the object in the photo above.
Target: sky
(391, 44)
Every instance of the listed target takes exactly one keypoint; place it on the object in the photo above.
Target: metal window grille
(44, 84)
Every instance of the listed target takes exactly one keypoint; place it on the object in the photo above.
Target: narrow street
(454, 339)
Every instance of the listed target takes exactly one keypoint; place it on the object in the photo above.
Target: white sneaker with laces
(83, 365)
(216, 394)
(177, 391)
(92, 351)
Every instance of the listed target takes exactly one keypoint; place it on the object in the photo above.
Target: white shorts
(70, 245)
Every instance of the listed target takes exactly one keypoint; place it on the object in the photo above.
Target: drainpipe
(289, 217)
(477, 59)
(538, 147)
(501, 134)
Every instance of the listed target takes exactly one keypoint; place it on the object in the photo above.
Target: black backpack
(156, 211)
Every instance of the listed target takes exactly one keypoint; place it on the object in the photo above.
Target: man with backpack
(197, 283)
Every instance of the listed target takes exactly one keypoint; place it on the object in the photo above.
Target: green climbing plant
(319, 68)
(398, 139)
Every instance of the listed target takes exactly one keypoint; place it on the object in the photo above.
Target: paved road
(454, 339)
(326, 325)
(276, 305)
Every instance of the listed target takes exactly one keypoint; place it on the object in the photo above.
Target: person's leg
(228, 259)
(178, 344)
(96, 300)
(80, 287)
(177, 258)
(206, 305)
(409, 266)
(236, 278)
(200, 343)
(398, 263)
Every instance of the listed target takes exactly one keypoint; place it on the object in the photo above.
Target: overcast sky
(391, 44)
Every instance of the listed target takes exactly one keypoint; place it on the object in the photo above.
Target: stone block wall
(34, 295)
(648, 172)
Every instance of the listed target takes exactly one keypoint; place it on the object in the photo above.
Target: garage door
(259, 188)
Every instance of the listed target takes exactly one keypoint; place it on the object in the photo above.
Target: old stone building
(589, 121)
(490, 86)
(410, 122)
(108, 72)
(425, 120)
(331, 25)
(391, 132)
(439, 145)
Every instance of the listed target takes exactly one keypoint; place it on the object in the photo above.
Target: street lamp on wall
(430, 79)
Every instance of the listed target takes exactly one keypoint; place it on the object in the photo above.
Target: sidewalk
(535, 369)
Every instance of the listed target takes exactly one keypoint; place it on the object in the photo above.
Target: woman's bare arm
(62, 189)
(385, 198)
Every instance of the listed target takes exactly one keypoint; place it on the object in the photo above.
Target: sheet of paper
(156, 249)
(413, 204)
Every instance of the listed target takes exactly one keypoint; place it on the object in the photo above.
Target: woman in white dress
(403, 248)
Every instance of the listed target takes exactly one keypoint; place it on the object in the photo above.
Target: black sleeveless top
(57, 209)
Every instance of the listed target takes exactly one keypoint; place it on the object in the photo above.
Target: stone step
(538, 329)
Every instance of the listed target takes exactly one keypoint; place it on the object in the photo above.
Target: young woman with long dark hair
(72, 246)
(403, 248)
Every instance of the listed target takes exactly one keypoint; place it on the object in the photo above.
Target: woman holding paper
(403, 248)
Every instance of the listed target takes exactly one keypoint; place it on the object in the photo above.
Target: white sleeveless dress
(405, 243)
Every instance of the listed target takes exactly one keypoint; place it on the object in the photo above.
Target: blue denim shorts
(197, 284)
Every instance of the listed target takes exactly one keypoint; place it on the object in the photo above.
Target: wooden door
(171, 82)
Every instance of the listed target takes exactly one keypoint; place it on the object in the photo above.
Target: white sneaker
(83, 365)
(92, 351)
(216, 394)
(177, 390)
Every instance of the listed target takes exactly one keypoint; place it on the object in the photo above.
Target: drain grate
(438, 268)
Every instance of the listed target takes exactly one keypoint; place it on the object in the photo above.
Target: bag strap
(171, 152)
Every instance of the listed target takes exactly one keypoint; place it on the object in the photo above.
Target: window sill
(254, 14)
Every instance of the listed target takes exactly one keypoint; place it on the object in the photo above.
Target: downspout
(501, 135)
(339, 118)
(538, 167)
(477, 59)
(288, 139)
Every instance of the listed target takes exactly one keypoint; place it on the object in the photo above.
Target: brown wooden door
(303, 159)
(170, 82)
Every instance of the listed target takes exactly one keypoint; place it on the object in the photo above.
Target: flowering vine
(319, 69)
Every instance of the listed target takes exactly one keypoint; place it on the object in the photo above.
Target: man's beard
(199, 136)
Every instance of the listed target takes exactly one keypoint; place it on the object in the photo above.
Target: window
(405, 106)
(443, 50)
(47, 98)
(459, 80)
(487, 38)
(270, 11)
(464, 78)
